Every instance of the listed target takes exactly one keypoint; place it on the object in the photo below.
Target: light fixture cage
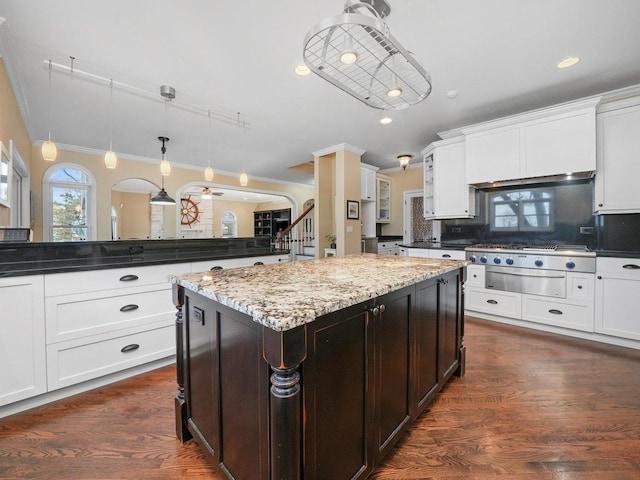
(382, 63)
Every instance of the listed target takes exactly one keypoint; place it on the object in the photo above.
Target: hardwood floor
(531, 406)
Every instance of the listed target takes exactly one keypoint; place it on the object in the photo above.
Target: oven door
(547, 283)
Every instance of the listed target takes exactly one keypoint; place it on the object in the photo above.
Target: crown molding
(337, 148)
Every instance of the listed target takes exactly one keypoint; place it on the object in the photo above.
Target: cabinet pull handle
(129, 308)
(631, 266)
(446, 255)
(492, 302)
(130, 348)
(128, 278)
(555, 311)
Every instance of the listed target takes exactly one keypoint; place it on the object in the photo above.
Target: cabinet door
(201, 388)
(617, 300)
(428, 205)
(392, 368)
(338, 396)
(618, 161)
(560, 144)
(493, 155)
(383, 200)
(367, 185)
(449, 324)
(22, 342)
(453, 198)
(425, 335)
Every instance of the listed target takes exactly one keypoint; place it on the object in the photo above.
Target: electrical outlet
(586, 230)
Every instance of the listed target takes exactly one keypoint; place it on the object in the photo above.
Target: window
(69, 204)
(522, 210)
(229, 225)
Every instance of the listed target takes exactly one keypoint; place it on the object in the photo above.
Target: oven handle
(535, 275)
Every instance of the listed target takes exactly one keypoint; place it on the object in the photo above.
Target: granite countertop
(287, 295)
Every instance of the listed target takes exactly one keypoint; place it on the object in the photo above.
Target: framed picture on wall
(353, 210)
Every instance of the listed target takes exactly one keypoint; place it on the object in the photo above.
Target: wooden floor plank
(531, 406)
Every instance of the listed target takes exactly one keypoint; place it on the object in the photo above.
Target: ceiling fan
(208, 193)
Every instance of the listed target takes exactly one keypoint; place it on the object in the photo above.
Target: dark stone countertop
(50, 257)
(618, 253)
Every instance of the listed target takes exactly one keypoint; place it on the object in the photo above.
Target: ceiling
(238, 56)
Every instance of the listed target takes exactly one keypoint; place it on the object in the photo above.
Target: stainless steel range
(531, 269)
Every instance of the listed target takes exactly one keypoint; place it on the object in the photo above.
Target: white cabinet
(103, 321)
(552, 141)
(439, 253)
(383, 199)
(618, 297)
(446, 193)
(618, 159)
(367, 184)
(493, 302)
(389, 247)
(23, 369)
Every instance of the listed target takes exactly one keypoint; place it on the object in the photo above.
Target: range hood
(576, 176)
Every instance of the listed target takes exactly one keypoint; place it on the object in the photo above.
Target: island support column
(285, 351)
(182, 432)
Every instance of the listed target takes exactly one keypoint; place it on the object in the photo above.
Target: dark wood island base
(326, 399)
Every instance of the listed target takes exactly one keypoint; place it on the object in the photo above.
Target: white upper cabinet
(367, 184)
(383, 199)
(551, 141)
(446, 193)
(618, 158)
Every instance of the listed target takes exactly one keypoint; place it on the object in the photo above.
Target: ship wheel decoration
(189, 211)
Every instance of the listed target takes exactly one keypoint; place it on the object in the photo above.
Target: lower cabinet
(366, 372)
(22, 343)
(617, 299)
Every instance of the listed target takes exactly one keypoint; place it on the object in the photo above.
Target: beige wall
(11, 128)
(401, 181)
(179, 177)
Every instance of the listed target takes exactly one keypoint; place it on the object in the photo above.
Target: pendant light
(110, 158)
(244, 179)
(208, 172)
(404, 160)
(163, 198)
(165, 166)
(49, 150)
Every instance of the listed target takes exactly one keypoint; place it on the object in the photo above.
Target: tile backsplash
(421, 228)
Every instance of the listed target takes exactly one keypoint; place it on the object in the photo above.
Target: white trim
(337, 148)
(21, 168)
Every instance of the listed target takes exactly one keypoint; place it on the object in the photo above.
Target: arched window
(229, 225)
(69, 204)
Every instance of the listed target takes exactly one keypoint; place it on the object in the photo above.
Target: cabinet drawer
(580, 287)
(629, 267)
(109, 279)
(475, 276)
(447, 254)
(73, 362)
(77, 316)
(559, 314)
(504, 304)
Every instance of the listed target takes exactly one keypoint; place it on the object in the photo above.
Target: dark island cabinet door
(227, 388)
(201, 387)
(392, 320)
(425, 337)
(449, 318)
(338, 408)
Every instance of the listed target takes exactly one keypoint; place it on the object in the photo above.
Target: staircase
(298, 237)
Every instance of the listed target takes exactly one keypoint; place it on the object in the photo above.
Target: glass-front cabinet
(383, 200)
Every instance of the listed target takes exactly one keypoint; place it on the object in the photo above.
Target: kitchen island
(313, 370)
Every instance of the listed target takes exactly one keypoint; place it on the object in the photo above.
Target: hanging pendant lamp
(49, 150)
(163, 198)
(110, 158)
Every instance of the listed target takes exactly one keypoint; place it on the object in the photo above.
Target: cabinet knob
(382, 308)
(600, 205)
(375, 311)
(599, 277)
(579, 287)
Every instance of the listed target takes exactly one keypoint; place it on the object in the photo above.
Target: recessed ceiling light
(568, 62)
(452, 93)
(302, 70)
(386, 120)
